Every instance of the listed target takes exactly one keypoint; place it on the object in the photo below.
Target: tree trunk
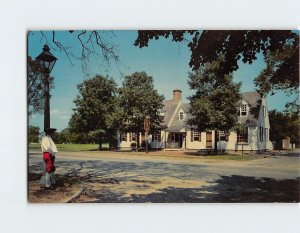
(112, 140)
(216, 142)
(100, 142)
(138, 140)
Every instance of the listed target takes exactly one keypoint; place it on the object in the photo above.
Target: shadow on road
(227, 189)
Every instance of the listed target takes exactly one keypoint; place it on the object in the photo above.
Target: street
(165, 177)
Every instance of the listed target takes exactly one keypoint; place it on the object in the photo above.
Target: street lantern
(147, 129)
(46, 59)
(47, 62)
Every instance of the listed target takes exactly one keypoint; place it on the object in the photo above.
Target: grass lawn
(70, 147)
(231, 157)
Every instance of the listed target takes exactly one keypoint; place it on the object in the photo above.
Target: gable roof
(170, 106)
(254, 100)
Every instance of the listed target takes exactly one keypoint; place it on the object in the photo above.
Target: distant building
(176, 133)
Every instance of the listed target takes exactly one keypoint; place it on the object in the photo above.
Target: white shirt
(48, 145)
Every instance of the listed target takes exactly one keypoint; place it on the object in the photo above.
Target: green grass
(231, 157)
(70, 147)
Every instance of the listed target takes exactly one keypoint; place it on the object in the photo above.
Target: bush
(133, 145)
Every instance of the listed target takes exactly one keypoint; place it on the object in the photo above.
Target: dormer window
(180, 115)
(243, 110)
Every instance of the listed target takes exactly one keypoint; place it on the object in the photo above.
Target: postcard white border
(17, 17)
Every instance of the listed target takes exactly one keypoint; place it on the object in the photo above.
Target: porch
(175, 141)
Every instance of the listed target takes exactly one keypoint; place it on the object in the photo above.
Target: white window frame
(243, 109)
(222, 136)
(181, 116)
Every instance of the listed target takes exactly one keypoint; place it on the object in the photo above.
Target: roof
(252, 98)
(168, 110)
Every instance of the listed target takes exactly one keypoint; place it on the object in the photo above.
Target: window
(222, 136)
(242, 136)
(243, 110)
(261, 134)
(195, 135)
(133, 137)
(156, 137)
(181, 116)
(266, 134)
(124, 137)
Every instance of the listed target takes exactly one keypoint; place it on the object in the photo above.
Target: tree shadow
(229, 189)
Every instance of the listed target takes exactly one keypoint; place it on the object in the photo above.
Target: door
(208, 139)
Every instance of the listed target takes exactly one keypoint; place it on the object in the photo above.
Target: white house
(176, 133)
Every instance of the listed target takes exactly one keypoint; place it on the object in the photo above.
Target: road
(165, 177)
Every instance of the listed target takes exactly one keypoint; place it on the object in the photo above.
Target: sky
(164, 60)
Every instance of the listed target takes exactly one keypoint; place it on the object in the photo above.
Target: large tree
(214, 106)
(208, 45)
(95, 113)
(35, 87)
(282, 125)
(139, 99)
(33, 132)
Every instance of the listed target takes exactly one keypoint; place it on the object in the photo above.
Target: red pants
(49, 160)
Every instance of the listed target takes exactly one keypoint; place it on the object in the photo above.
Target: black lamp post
(47, 61)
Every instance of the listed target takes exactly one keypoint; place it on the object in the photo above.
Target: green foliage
(216, 101)
(208, 45)
(33, 132)
(133, 145)
(278, 74)
(35, 87)
(139, 99)
(96, 109)
(232, 157)
(283, 125)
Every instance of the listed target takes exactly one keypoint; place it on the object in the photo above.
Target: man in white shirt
(49, 150)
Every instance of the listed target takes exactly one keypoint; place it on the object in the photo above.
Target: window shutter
(199, 136)
(226, 137)
(192, 135)
(217, 135)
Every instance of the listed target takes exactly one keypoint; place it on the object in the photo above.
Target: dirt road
(166, 177)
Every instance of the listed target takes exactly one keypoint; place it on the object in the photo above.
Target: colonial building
(176, 133)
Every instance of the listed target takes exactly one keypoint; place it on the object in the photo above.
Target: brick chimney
(177, 95)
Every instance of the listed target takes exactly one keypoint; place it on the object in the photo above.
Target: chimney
(177, 95)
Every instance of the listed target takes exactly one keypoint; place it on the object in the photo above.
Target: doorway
(208, 139)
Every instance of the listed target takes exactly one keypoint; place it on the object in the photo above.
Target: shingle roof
(168, 110)
(254, 101)
(252, 98)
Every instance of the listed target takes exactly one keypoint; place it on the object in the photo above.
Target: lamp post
(47, 61)
(147, 129)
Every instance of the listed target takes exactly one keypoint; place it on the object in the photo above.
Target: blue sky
(166, 61)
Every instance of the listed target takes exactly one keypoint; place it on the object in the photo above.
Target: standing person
(49, 150)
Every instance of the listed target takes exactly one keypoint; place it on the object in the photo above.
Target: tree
(271, 78)
(208, 45)
(93, 44)
(139, 99)
(283, 125)
(95, 111)
(216, 101)
(33, 132)
(35, 87)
